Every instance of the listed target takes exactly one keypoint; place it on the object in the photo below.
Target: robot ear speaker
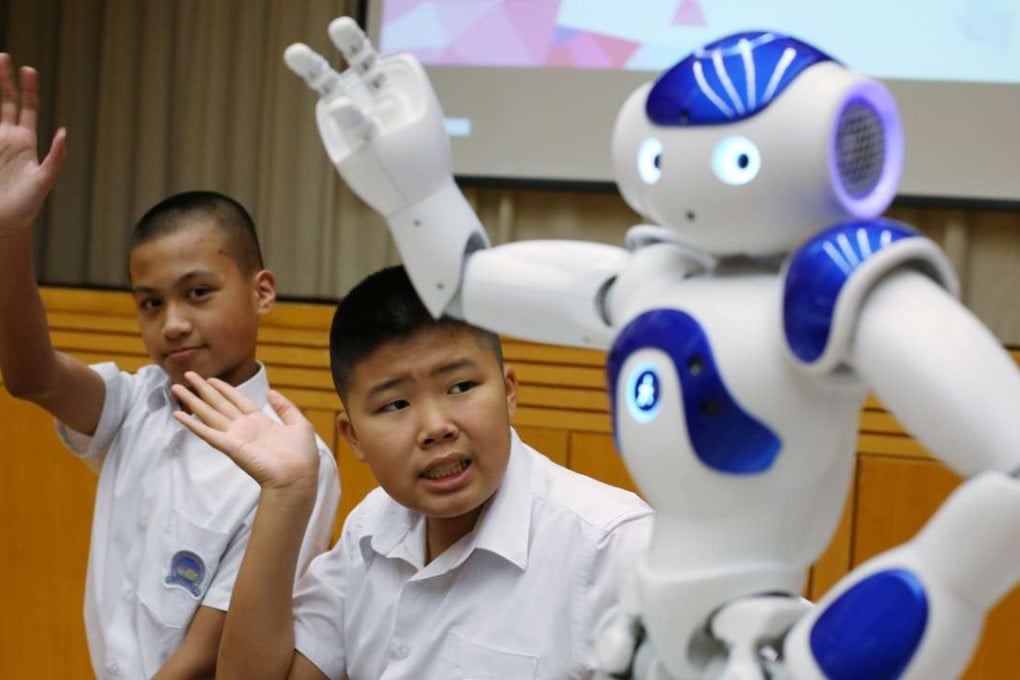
(860, 148)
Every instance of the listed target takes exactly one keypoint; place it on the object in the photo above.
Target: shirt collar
(503, 528)
(254, 388)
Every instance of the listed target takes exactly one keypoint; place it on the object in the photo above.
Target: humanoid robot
(745, 327)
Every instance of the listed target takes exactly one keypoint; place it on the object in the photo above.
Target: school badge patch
(187, 570)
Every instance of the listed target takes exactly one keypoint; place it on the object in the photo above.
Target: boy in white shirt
(478, 557)
(172, 516)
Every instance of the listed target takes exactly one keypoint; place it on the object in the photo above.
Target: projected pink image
(525, 33)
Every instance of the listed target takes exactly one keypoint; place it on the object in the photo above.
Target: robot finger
(358, 52)
(353, 122)
(313, 68)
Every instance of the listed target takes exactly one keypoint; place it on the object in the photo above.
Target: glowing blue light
(736, 160)
(643, 393)
(649, 158)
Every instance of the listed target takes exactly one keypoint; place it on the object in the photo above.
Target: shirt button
(113, 669)
(143, 520)
(128, 593)
(400, 650)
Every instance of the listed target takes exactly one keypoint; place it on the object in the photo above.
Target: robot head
(755, 142)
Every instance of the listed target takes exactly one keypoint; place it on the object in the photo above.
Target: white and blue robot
(745, 327)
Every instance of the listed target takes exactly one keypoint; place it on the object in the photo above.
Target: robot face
(739, 161)
(695, 181)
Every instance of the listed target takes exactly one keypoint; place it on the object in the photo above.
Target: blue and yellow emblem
(187, 570)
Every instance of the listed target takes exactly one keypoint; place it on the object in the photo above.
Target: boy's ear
(346, 429)
(265, 290)
(510, 381)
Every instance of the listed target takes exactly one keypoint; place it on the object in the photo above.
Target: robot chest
(666, 381)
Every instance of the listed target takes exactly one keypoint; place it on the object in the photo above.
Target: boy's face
(431, 417)
(196, 310)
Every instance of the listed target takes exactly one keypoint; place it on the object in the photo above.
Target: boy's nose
(437, 427)
(175, 323)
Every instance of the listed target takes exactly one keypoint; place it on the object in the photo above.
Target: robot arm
(546, 291)
(941, 372)
(382, 127)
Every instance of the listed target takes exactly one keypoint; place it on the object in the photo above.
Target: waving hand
(24, 181)
(277, 455)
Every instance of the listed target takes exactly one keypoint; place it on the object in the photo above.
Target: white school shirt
(517, 598)
(171, 521)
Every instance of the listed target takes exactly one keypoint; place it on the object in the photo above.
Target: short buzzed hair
(231, 218)
(382, 308)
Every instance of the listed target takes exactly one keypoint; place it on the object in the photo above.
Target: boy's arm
(196, 657)
(258, 635)
(31, 368)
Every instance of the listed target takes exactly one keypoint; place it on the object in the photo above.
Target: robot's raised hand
(379, 119)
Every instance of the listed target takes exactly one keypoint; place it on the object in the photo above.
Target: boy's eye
(463, 386)
(199, 292)
(149, 304)
(393, 406)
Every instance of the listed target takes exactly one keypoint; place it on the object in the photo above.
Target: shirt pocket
(185, 560)
(463, 659)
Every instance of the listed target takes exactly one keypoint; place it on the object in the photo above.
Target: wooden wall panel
(356, 480)
(46, 499)
(595, 455)
(46, 496)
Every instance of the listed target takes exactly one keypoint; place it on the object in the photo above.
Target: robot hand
(622, 649)
(379, 120)
(617, 637)
(382, 127)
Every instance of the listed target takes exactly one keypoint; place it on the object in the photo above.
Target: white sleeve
(120, 388)
(319, 603)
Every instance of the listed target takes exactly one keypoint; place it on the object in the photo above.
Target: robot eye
(736, 160)
(648, 159)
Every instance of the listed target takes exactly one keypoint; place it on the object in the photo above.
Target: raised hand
(24, 182)
(277, 455)
(379, 120)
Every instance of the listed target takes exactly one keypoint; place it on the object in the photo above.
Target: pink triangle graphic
(688, 14)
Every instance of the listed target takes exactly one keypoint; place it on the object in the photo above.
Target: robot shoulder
(827, 279)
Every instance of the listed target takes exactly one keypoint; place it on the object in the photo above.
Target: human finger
(8, 91)
(28, 78)
(215, 437)
(206, 412)
(54, 160)
(212, 394)
(285, 408)
(234, 396)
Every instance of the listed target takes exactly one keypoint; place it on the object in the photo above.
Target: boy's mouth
(182, 353)
(446, 469)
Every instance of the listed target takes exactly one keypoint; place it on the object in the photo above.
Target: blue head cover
(730, 79)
